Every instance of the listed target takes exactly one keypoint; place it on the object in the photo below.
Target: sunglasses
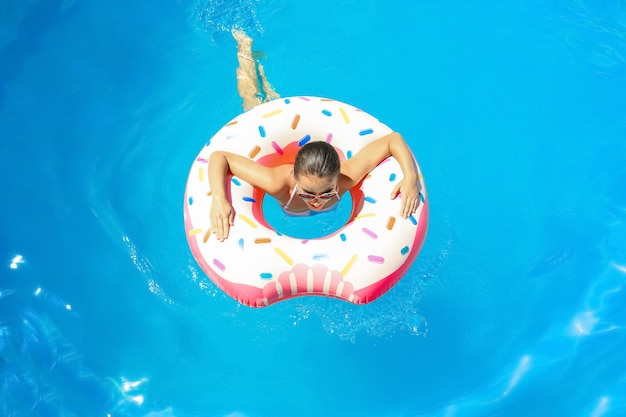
(323, 196)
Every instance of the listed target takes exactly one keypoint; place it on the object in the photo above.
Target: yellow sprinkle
(364, 215)
(344, 115)
(200, 174)
(247, 220)
(263, 240)
(284, 256)
(272, 113)
(208, 194)
(345, 269)
(207, 235)
(234, 122)
(194, 232)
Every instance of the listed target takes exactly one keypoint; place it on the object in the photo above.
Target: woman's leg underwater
(270, 93)
(249, 72)
(247, 81)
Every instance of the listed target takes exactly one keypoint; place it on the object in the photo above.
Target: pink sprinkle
(304, 98)
(201, 160)
(370, 233)
(376, 259)
(219, 264)
(277, 148)
(329, 137)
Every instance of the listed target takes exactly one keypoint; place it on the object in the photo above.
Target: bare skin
(279, 181)
(248, 77)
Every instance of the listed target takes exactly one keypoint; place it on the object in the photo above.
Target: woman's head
(316, 171)
(317, 159)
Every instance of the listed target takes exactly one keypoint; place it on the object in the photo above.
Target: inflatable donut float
(259, 266)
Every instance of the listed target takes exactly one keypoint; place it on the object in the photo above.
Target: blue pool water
(515, 307)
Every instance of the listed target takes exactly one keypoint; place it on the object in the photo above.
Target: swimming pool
(515, 306)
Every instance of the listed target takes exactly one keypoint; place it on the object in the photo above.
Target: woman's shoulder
(345, 183)
(283, 173)
(282, 180)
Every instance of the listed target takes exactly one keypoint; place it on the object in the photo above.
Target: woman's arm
(374, 153)
(220, 164)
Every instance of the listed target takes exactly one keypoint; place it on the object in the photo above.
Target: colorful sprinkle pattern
(257, 265)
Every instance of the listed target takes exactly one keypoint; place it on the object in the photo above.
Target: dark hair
(317, 158)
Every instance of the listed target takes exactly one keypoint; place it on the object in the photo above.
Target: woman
(317, 179)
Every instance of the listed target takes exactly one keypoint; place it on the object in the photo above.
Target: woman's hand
(410, 195)
(222, 217)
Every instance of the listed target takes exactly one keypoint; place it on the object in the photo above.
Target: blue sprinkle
(413, 220)
(287, 101)
(190, 200)
(326, 113)
(392, 177)
(343, 237)
(241, 243)
(370, 199)
(262, 131)
(366, 132)
(304, 140)
(266, 275)
(236, 181)
(349, 154)
(422, 197)
(320, 256)
(404, 250)
(249, 199)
